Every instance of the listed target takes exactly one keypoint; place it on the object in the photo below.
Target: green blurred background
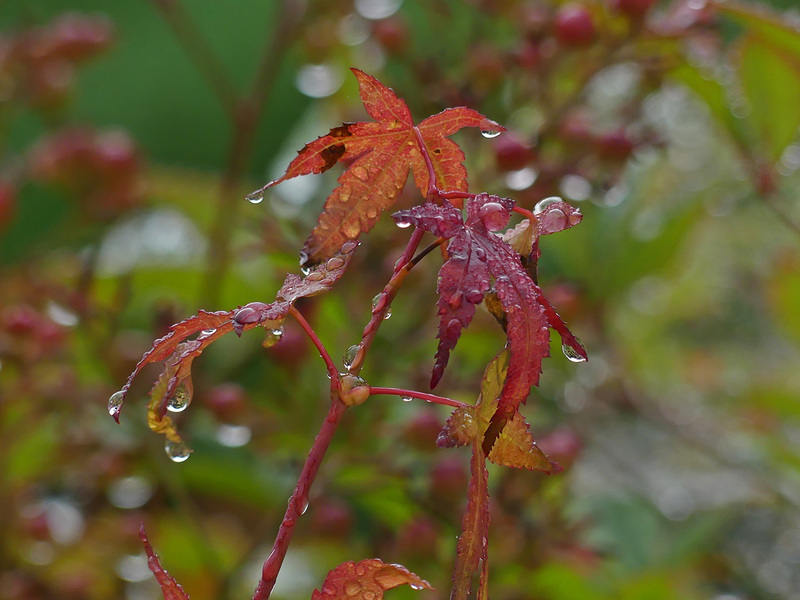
(122, 177)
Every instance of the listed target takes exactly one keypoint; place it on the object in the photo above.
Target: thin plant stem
(414, 394)
(298, 503)
(312, 335)
(201, 53)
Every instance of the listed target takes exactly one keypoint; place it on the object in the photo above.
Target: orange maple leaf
(383, 152)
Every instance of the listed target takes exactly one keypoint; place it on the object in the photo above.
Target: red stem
(432, 187)
(333, 371)
(298, 503)
(414, 394)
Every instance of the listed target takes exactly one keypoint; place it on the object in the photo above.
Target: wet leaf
(382, 154)
(178, 352)
(515, 446)
(169, 587)
(473, 544)
(476, 256)
(366, 580)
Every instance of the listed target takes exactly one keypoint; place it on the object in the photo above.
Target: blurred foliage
(676, 134)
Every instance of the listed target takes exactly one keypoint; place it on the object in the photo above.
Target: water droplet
(403, 224)
(256, 197)
(180, 401)
(542, 204)
(115, 403)
(349, 246)
(303, 506)
(177, 451)
(474, 296)
(361, 173)
(388, 313)
(571, 353)
(407, 398)
(208, 332)
(368, 595)
(305, 270)
(334, 263)
(378, 302)
(350, 355)
(415, 586)
(490, 133)
(480, 254)
(352, 587)
(273, 337)
(315, 276)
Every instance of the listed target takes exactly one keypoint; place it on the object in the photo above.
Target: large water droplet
(115, 403)
(256, 197)
(403, 225)
(180, 401)
(208, 332)
(352, 587)
(415, 586)
(407, 398)
(177, 451)
(350, 355)
(303, 507)
(388, 313)
(542, 204)
(571, 353)
(334, 263)
(490, 133)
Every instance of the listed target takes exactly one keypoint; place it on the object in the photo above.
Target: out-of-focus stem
(298, 503)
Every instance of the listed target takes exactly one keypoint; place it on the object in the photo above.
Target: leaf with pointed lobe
(367, 580)
(515, 446)
(473, 546)
(382, 153)
(178, 352)
(170, 588)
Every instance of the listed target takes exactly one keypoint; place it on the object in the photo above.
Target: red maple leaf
(382, 154)
(477, 255)
(366, 579)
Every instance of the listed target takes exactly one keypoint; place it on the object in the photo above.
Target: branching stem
(333, 371)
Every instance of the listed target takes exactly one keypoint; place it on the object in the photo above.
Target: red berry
(615, 145)
(635, 9)
(511, 153)
(8, 203)
(574, 25)
(392, 34)
(422, 430)
(331, 518)
(448, 479)
(226, 400)
(419, 539)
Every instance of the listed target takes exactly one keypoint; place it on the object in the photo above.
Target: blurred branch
(201, 53)
(245, 122)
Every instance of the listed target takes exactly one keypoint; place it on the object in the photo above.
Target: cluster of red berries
(37, 65)
(101, 169)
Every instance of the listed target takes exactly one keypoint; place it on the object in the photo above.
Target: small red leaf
(367, 580)
(169, 587)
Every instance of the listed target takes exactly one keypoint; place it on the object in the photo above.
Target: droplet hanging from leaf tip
(572, 353)
(403, 224)
(177, 451)
(180, 401)
(255, 197)
(273, 337)
(115, 403)
(490, 133)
